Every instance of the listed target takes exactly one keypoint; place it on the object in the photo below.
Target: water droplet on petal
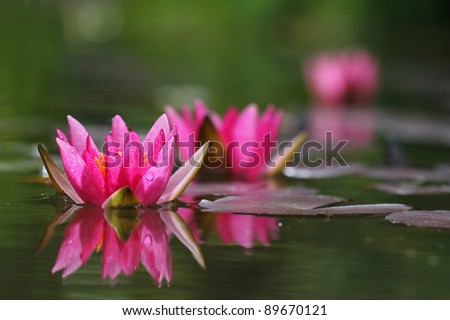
(147, 241)
(149, 176)
(69, 242)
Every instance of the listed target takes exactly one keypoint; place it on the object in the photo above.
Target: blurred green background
(96, 58)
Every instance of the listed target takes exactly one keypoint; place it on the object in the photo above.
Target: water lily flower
(349, 78)
(246, 139)
(143, 166)
(127, 238)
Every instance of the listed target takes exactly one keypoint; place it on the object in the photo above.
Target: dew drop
(149, 176)
(147, 241)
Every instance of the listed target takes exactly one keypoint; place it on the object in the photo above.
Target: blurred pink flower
(245, 130)
(89, 231)
(145, 167)
(349, 78)
(355, 125)
(242, 229)
(246, 229)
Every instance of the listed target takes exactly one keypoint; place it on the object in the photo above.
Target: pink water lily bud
(245, 138)
(348, 78)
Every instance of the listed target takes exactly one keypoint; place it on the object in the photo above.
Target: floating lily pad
(422, 218)
(265, 204)
(222, 188)
(322, 172)
(361, 209)
(242, 189)
(404, 174)
(409, 189)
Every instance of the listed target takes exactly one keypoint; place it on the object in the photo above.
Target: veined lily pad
(409, 189)
(422, 218)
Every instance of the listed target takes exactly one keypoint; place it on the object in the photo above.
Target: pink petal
(154, 180)
(133, 160)
(161, 124)
(119, 131)
(130, 253)
(265, 229)
(110, 252)
(86, 183)
(185, 113)
(61, 135)
(114, 180)
(80, 239)
(78, 135)
(201, 110)
(156, 253)
(186, 134)
(229, 121)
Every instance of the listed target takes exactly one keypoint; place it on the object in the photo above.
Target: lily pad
(361, 209)
(422, 218)
(404, 174)
(322, 172)
(264, 204)
(409, 189)
(224, 188)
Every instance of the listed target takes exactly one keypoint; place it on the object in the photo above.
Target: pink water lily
(349, 78)
(247, 137)
(143, 166)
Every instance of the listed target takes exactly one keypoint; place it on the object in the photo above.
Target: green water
(358, 257)
(230, 54)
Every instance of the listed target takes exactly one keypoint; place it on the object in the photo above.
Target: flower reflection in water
(126, 237)
(243, 229)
